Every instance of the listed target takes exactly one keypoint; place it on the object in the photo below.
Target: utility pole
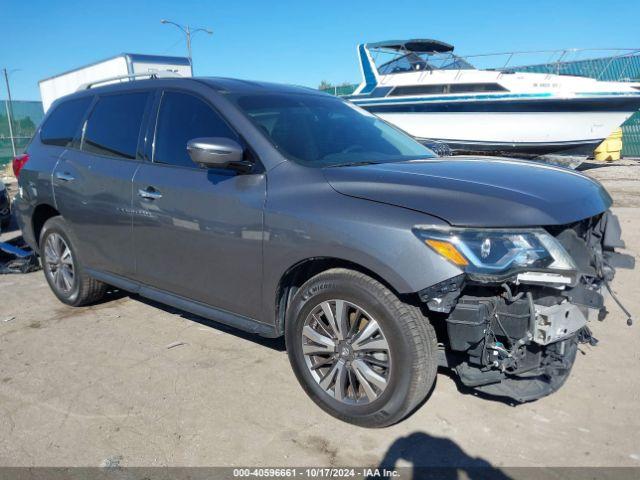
(9, 107)
(187, 30)
(189, 46)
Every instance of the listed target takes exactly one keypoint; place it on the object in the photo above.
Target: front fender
(305, 218)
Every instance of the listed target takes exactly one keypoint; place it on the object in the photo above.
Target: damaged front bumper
(516, 335)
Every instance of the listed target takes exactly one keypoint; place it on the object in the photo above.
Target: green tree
(325, 85)
(26, 127)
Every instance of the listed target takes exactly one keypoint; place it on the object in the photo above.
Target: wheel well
(297, 275)
(41, 214)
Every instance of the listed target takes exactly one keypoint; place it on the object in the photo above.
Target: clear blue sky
(300, 42)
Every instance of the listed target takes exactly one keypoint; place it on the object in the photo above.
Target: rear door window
(61, 127)
(183, 117)
(114, 125)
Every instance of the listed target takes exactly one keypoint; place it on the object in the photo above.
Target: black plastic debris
(16, 257)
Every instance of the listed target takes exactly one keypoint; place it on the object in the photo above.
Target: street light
(9, 107)
(186, 29)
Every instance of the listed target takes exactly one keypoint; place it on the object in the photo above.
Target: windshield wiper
(356, 164)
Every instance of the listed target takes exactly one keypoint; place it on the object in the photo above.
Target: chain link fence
(616, 69)
(25, 118)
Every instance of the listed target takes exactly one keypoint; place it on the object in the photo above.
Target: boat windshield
(324, 131)
(415, 61)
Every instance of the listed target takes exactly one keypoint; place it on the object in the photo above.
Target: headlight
(497, 252)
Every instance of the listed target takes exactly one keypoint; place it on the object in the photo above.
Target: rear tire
(399, 359)
(62, 268)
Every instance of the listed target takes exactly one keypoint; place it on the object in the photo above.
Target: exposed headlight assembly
(497, 252)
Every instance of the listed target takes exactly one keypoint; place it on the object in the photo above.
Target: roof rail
(133, 76)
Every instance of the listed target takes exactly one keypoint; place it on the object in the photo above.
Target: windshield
(322, 131)
(412, 62)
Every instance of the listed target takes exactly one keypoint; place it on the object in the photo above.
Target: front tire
(62, 268)
(360, 353)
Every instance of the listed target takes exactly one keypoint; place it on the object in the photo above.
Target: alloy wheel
(59, 261)
(346, 352)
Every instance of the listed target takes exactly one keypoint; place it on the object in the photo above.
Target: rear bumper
(22, 212)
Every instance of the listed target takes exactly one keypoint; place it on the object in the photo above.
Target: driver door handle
(149, 193)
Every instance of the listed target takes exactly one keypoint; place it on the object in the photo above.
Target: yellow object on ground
(611, 148)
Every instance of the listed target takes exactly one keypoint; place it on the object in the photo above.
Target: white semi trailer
(121, 65)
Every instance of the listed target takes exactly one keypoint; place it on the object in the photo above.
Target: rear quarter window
(62, 126)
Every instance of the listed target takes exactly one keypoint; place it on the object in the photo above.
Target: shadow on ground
(430, 457)
(273, 343)
(596, 164)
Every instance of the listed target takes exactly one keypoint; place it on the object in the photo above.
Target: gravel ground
(622, 179)
(132, 383)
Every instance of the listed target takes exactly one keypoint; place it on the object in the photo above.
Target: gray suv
(283, 211)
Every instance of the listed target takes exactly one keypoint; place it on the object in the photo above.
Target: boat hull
(572, 126)
(575, 133)
(518, 150)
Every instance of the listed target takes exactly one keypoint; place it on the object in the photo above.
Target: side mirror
(214, 152)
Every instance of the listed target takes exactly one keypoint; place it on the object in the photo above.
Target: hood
(477, 192)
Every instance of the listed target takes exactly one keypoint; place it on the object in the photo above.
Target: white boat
(426, 90)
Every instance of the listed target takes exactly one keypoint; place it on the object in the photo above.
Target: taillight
(19, 162)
